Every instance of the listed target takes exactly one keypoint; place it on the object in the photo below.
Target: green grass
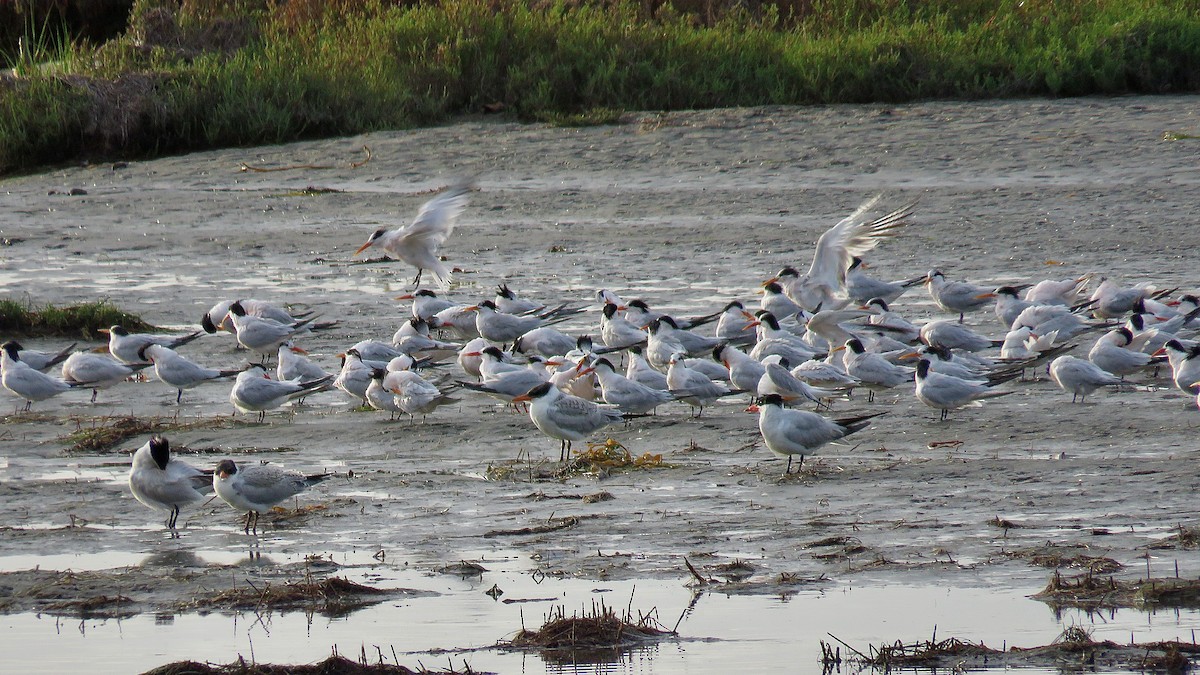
(81, 321)
(241, 72)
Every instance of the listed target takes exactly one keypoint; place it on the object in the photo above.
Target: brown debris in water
(1072, 649)
(100, 434)
(1093, 592)
(333, 596)
(600, 628)
(334, 665)
(1057, 557)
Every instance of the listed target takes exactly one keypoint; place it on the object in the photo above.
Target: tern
(1112, 301)
(788, 432)
(947, 392)
(43, 361)
(379, 397)
(179, 372)
(953, 335)
(1009, 304)
(872, 370)
(418, 242)
(956, 297)
(354, 376)
(1080, 376)
(500, 327)
(1056, 291)
(824, 286)
(639, 314)
(22, 380)
(426, 303)
(124, 345)
(693, 387)
(255, 392)
(215, 318)
(773, 339)
(263, 336)
(882, 316)
(862, 288)
(778, 380)
(164, 482)
(414, 395)
(98, 371)
(508, 302)
(1185, 366)
(617, 331)
(546, 341)
(258, 487)
(775, 302)
(628, 395)
(1112, 354)
(639, 370)
(295, 366)
(734, 321)
(470, 357)
(744, 372)
(565, 417)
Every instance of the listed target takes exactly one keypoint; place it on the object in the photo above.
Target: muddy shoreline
(687, 210)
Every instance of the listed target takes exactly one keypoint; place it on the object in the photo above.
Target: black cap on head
(922, 367)
(855, 261)
(378, 373)
(1137, 321)
(880, 303)
(610, 310)
(236, 308)
(490, 305)
(226, 467)
(503, 291)
(639, 303)
(773, 288)
(788, 272)
(771, 399)
(855, 345)
(12, 347)
(734, 304)
(603, 362)
(1127, 334)
(494, 352)
(160, 450)
(207, 324)
(540, 390)
(117, 330)
(769, 319)
(1007, 290)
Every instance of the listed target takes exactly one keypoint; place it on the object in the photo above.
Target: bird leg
(173, 518)
(417, 281)
(179, 397)
(870, 396)
(94, 393)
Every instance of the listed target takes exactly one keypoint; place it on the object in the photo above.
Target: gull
(734, 321)
(617, 331)
(418, 242)
(872, 370)
(294, 365)
(43, 361)
(693, 387)
(824, 286)
(953, 335)
(946, 392)
(163, 482)
(744, 372)
(778, 380)
(124, 345)
(263, 336)
(255, 392)
(178, 371)
(565, 417)
(214, 319)
(258, 487)
(640, 370)
(628, 395)
(788, 432)
(1111, 353)
(1185, 367)
(775, 302)
(862, 288)
(22, 380)
(1080, 376)
(426, 303)
(414, 395)
(956, 297)
(98, 371)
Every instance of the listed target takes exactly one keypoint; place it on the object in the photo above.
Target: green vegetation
(83, 320)
(196, 74)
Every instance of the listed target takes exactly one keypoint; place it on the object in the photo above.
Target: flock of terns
(813, 338)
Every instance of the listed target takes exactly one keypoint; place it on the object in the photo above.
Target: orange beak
(298, 350)
(406, 296)
(769, 281)
(523, 398)
(752, 409)
(985, 296)
(363, 247)
(752, 324)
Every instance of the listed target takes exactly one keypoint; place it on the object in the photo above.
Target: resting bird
(790, 432)
(163, 482)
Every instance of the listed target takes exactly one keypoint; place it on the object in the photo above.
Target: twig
(260, 169)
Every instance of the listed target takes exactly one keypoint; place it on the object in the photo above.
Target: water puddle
(465, 615)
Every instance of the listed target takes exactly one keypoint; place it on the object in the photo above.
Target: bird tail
(316, 478)
(853, 424)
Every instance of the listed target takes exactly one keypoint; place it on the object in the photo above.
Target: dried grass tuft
(1091, 592)
(600, 628)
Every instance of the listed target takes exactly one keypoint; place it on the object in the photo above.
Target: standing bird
(790, 432)
(872, 370)
(124, 345)
(628, 395)
(1080, 376)
(862, 288)
(179, 372)
(43, 361)
(215, 318)
(498, 326)
(956, 297)
(947, 392)
(258, 487)
(263, 336)
(1185, 366)
(693, 387)
(824, 287)
(418, 242)
(953, 335)
(1112, 354)
(414, 395)
(98, 371)
(163, 482)
(22, 380)
(294, 365)
(565, 417)
(255, 392)
(617, 331)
